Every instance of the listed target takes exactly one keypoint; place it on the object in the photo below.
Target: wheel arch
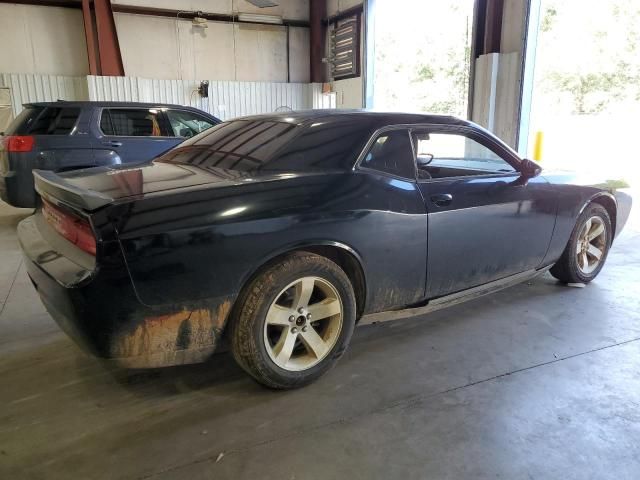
(608, 202)
(343, 255)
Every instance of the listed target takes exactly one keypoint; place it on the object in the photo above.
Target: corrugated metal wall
(226, 99)
(27, 88)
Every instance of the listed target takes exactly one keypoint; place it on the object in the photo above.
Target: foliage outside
(589, 56)
(422, 56)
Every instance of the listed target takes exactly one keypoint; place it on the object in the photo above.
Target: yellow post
(537, 146)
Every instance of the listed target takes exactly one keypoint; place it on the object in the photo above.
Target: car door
(131, 134)
(394, 247)
(486, 221)
(185, 124)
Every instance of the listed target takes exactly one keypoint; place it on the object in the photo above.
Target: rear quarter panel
(207, 243)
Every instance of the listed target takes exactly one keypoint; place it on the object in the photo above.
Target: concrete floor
(540, 381)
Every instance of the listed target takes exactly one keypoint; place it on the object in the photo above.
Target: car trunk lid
(91, 189)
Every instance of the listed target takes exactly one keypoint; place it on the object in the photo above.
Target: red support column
(100, 32)
(90, 36)
(317, 40)
(110, 58)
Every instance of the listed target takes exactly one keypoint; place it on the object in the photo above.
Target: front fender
(575, 193)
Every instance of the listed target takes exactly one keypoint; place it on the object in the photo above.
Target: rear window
(44, 121)
(130, 122)
(21, 124)
(247, 145)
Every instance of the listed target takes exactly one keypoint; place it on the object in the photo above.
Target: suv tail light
(75, 229)
(18, 143)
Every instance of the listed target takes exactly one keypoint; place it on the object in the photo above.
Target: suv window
(442, 155)
(187, 124)
(130, 122)
(391, 153)
(44, 121)
(24, 120)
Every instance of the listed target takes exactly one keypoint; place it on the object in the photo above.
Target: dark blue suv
(63, 136)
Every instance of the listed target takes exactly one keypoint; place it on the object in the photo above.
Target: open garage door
(586, 87)
(422, 52)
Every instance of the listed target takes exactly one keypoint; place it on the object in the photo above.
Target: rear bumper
(99, 310)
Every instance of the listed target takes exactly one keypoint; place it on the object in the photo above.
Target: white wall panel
(349, 92)
(337, 6)
(508, 97)
(27, 88)
(299, 55)
(160, 47)
(44, 40)
(496, 94)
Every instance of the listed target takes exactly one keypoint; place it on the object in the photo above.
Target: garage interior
(538, 381)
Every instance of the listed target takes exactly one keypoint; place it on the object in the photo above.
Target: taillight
(18, 143)
(76, 230)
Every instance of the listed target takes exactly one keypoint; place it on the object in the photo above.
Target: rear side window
(248, 145)
(391, 153)
(125, 122)
(45, 121)
(239, 145)
(24, 120)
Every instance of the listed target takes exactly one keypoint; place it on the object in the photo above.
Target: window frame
(478, 136)
(185, 110)
(481, 136)
(162, 122)
(358, 166)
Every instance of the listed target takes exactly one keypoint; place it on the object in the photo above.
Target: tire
(570, 268)
(272, 337)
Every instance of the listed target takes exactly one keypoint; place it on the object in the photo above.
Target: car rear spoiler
(48, 184)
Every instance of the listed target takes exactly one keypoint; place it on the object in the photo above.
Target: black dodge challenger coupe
(284, 231)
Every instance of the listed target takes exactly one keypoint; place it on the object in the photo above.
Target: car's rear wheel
(294, 321)
(588, 247)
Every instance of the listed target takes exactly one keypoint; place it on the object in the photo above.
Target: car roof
(301, 117)
(86, 103)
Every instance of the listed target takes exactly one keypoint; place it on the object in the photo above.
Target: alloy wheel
(591, 245)
(303, 324)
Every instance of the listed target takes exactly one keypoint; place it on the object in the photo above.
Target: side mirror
(529, 168)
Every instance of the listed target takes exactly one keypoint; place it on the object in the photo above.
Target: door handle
(442, 199)
(112, 143)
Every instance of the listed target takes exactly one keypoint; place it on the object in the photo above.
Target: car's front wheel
(587, 249)
(294, 321)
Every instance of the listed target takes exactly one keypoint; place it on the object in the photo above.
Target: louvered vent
(345, 49)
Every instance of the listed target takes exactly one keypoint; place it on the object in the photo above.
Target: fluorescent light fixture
(259, 18)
